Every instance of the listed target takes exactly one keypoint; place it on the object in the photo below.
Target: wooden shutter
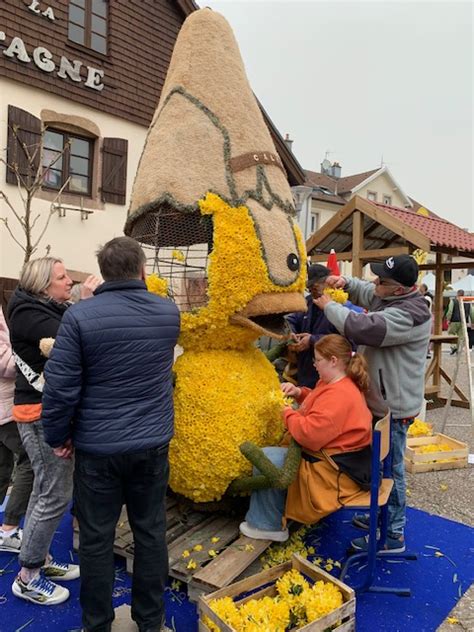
(114, 170)
(26, 139)
(7, 287)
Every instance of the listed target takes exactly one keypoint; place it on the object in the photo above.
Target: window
(387, 199)
(66, 156)
(372, 196)
(88, 24)
(314, 222)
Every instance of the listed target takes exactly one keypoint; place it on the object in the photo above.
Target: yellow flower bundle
(433, 447)
(420, 429)
(296, 603)
(157, 285)
(337, 295)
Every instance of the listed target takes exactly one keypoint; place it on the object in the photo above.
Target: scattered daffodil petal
(191, 565)
(215, 539)
(452, 620)
(185, 554)
(212, 553)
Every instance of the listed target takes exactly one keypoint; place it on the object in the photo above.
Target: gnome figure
(212, 203)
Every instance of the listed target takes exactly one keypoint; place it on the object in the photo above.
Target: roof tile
(440, 232)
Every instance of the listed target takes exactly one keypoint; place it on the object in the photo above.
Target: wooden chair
(376, 501)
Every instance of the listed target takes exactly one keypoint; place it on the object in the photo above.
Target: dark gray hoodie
(393, 336)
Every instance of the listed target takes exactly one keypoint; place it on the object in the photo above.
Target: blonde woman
(35, 312)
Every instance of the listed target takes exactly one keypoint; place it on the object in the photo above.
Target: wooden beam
(438, 321)
(458, 265)
(357, 243)
(383, 253)
(341, 256)
(364, 255)
(329, 227)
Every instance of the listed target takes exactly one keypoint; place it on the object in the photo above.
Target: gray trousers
(11, 446)
(52, 492)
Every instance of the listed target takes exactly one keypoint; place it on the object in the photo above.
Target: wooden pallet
(187, 528)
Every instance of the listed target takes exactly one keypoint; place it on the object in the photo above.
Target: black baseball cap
(403, 269)
(317, 272)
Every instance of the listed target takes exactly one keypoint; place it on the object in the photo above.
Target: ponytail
(354, 363)
(357, 371)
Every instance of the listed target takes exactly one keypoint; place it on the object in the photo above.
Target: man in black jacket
(108, 396)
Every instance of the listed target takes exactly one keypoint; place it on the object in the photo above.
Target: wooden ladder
(463, 349)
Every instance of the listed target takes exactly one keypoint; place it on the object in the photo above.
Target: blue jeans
(397, 499)
(51, 495)
(267, 506)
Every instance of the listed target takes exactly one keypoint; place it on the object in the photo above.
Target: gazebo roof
(388, 230)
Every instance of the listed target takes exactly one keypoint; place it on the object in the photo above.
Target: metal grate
(177, 246)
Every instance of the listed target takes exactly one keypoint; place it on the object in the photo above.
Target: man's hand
(322, 301)
(302, 343)
(90, 284)
(337, 282)
(64, 451)
(290, 390)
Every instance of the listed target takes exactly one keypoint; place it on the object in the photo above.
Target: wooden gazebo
(364, 231)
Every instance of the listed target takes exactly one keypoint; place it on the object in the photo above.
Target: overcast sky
(369, 81)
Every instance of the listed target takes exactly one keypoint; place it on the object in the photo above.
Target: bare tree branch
(5, 221)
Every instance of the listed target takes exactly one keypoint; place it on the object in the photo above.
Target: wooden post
(357, 243)
(438, 324)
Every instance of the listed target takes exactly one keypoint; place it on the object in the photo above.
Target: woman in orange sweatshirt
(334, 428)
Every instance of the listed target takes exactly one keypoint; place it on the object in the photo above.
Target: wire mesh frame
(177, 246)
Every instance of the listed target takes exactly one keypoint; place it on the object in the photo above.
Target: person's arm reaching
(63, 385)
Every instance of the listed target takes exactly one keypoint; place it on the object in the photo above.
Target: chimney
(336, 170)
(288, 142)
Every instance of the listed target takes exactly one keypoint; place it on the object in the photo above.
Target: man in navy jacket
(108, 397)
(310, 326)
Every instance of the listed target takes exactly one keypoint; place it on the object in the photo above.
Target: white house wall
(383, 185)
(70, 238)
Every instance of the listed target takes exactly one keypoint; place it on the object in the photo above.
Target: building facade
(79, 82)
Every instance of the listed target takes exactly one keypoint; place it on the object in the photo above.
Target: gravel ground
(449, 493)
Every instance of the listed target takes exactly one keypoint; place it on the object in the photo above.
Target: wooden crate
(343, 617)
(187, 528)
(430, 462)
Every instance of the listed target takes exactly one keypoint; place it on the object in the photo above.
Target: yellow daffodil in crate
(434, 451)
(300, 596)
(212, 201)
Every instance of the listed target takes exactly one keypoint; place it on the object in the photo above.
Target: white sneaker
(60, 572)
(261, 534)
(11, 543)
(40, 590)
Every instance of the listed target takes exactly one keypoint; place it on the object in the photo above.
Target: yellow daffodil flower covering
(296, 603)
(337, 295)
(158, 285)
(226, 391)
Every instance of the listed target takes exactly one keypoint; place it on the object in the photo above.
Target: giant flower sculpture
(210, 181)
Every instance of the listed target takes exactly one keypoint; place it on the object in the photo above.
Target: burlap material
(206, 117)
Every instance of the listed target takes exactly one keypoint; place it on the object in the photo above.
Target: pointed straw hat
(208, 134)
